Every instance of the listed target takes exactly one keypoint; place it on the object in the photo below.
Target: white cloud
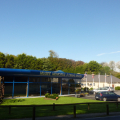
(101, 54)
(108, 53)
(114, 52)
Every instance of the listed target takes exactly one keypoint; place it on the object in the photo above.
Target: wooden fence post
(117, 104)
(107, 106)
(33, 113)
(74, 111)
(9, 109)
(53, 106)
(88, 106)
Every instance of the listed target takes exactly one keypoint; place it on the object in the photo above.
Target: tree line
(53, 63)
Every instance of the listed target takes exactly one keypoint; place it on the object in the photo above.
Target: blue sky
(75, 29)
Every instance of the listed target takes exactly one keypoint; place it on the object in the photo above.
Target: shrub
(77, 90)
(91, 88)
(117, 88)
(86, 89)
(53, 96)
(47, 94)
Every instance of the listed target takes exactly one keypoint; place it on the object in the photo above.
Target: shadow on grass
(26, 112)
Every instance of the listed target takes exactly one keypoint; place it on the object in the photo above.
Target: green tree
(9, 61)
(46, 64)
(20, 61)
(94, 66)
(2, 60)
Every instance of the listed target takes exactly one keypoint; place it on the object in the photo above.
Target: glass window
(21, 79)
(45, 88)
(72, 88)
(65, 80)
(71, 80)
(8, 79)
(55, 80)
(56, 88)
(20, 89)
(64, 88)
(8, 89)
(34, 89)
(77, 80)
(45, 79)
(34, 79)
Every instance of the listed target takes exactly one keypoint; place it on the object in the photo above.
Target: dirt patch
(49, 98)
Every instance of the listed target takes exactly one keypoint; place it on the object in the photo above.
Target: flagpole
(93, 80)
(111, 79)
(105, 79)
(93, 83)
(99, 80)
(86, 83)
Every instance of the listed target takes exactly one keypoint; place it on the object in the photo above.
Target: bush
(53, 96)
(86, 89)
(77, 90)
(117, 88)
(47, 94)
(91, 89)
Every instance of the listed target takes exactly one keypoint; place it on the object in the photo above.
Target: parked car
(107, 95)
(103, 89)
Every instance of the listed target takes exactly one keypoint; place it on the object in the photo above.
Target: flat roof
(39, 73)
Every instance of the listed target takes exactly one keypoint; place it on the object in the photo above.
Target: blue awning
(26, 72)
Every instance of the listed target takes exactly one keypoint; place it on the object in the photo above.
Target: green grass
(26, 112)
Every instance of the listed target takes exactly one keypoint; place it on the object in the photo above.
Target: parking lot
(92, 96)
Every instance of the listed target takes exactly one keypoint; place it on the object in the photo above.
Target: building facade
(28, 83)
(99, 81)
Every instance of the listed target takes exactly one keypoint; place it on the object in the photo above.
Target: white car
(103, 89)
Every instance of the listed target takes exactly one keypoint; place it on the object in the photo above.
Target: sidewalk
(70, 117)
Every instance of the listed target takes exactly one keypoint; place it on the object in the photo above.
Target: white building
(101, 81)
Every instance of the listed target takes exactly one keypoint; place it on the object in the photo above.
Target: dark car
(107, 95)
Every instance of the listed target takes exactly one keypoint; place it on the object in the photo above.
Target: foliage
(47, 94)
(112, 65)
(2, 60)
(53, 63)
(52, 54)
(94, 66)
(86, 89)
(9, 61)
(117, 88)
(53, 96)
(77, 90)
(91, 88)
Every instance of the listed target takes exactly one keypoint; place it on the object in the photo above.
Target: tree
(104, 64)
(94, 66)
(9, 61)
(118, 64)
(46, 64)
(21, 61)
(112, 65)
(53, 54)
(2, 60)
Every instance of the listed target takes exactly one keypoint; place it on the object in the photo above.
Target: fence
(54, 105)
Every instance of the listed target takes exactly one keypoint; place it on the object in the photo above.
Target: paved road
(102, 118)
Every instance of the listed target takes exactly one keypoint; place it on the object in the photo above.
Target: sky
(83, 30)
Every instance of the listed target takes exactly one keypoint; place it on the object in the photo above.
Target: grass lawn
(26, 112)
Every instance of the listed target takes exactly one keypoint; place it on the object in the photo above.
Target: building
(27, 83)
(100, 81)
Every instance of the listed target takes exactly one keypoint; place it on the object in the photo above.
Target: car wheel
(104, 99)
(118, 99)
